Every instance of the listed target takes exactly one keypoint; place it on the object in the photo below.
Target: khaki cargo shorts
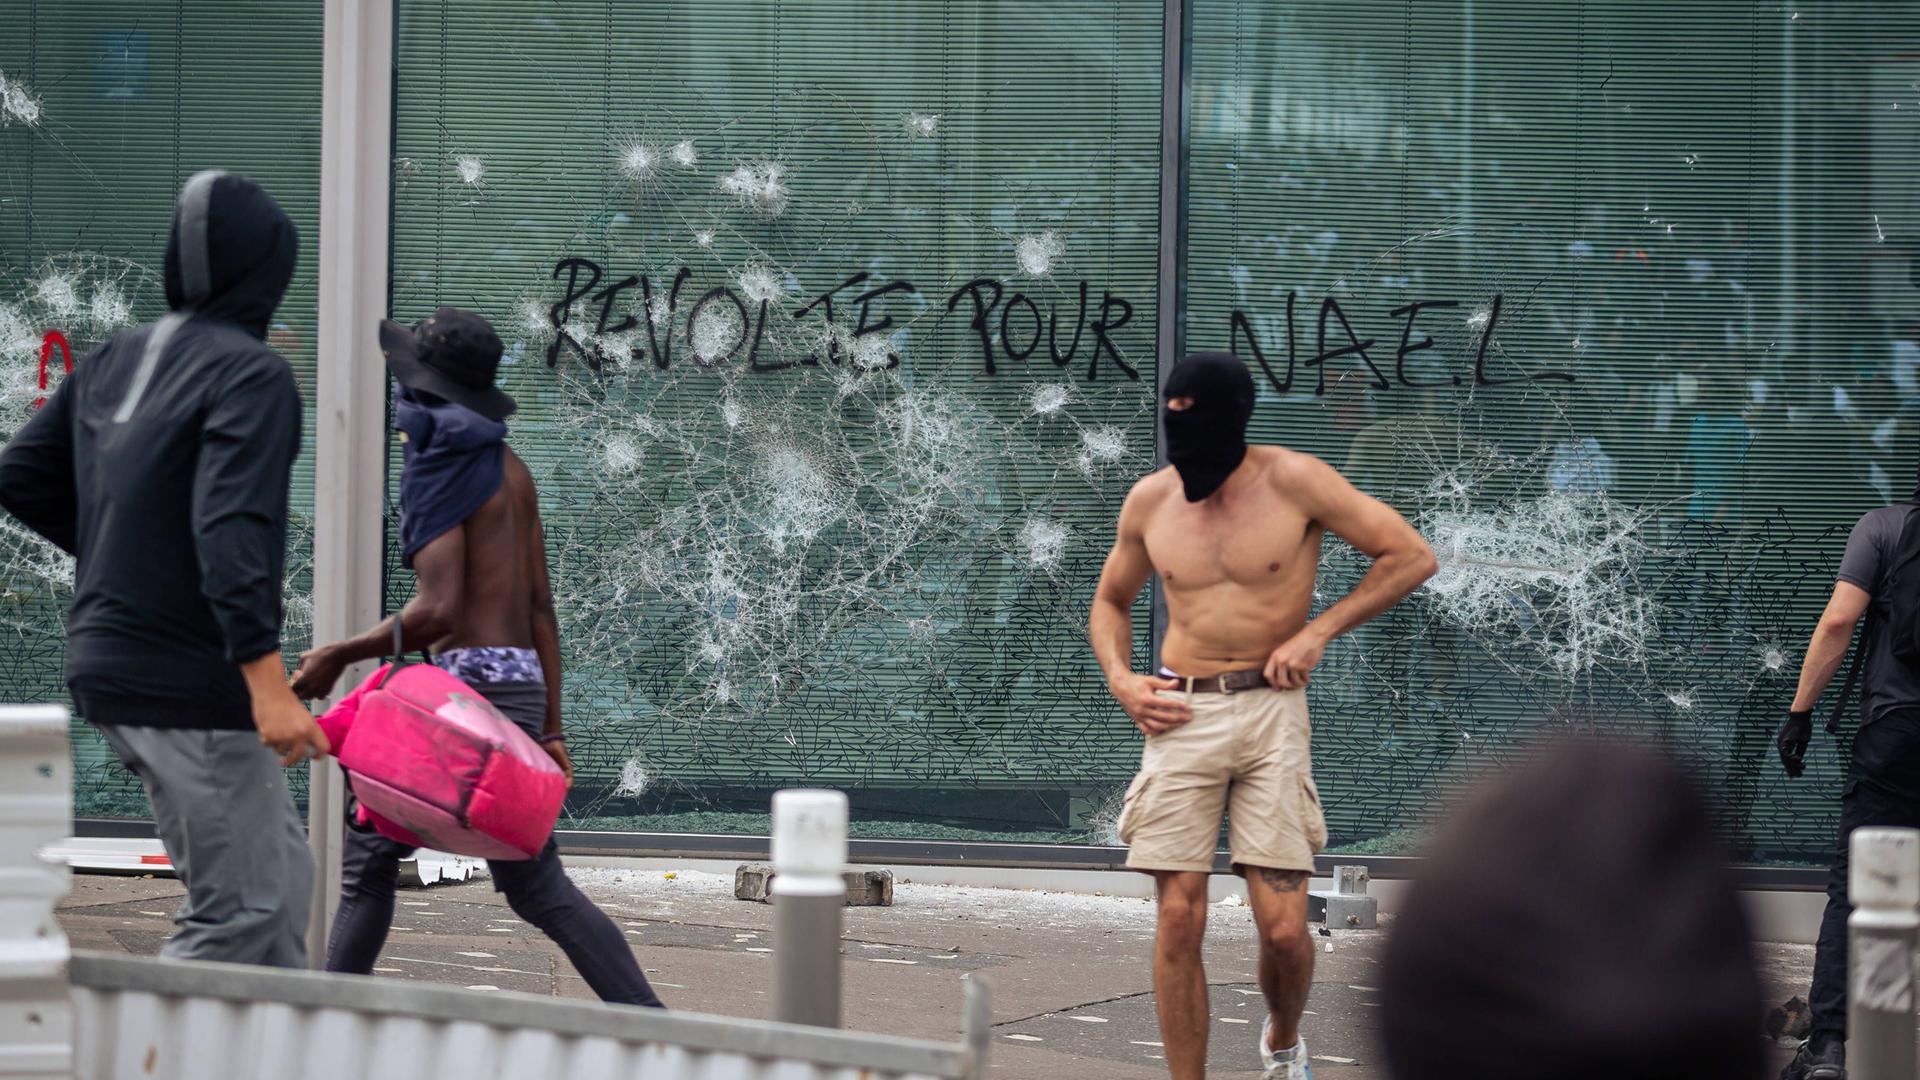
(1247, 754)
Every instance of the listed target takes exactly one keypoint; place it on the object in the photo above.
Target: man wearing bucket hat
(470, 531)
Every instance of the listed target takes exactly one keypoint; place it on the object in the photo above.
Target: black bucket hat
(452, 354)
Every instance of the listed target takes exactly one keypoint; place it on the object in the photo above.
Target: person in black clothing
(161, 464)
(1883, 779)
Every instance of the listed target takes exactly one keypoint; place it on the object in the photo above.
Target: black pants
(1883, 788)
(538, 890)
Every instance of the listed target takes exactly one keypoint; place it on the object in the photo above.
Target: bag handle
(399, 658)
(1838, 717)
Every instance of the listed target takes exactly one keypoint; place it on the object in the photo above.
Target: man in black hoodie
(161, 464)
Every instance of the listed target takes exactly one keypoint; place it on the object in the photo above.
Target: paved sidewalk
(1072, 995)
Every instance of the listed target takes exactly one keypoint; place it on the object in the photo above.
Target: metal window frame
(350, 448)
(985, 853)
(1170, 293)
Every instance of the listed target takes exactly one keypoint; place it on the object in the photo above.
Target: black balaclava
(1207, 440)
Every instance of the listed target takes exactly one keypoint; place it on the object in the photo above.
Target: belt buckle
(1226, 684)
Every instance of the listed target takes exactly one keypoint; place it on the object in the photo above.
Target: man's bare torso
(499, 578)
(1238, 568)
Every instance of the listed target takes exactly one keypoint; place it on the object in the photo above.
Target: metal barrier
(108, 1017)
(182, 1020)
(809, 894)
(1884, 885)
(36, 800)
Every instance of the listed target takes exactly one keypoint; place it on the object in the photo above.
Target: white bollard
(809, 890)
(36, 810)
(1884, 886)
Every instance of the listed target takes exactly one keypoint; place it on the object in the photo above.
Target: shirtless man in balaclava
(1234, 532)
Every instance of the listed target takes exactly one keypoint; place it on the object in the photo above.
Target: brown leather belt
(1227, 682)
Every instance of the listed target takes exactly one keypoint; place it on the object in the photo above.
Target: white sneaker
(1287, 1064)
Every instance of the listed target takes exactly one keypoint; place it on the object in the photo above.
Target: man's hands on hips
(1151, 713)
(1795, 734)
(1290, 665)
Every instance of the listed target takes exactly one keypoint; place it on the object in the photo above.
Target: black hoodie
(161, 464)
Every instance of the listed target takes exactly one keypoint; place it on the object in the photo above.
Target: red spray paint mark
(54, 337)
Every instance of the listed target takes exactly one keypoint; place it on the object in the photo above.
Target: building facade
(836, 329)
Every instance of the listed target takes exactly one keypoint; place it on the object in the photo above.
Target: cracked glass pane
(1626, 330)
(832, 327)
(105, 110)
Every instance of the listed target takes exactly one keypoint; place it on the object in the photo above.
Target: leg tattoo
(1282, 881)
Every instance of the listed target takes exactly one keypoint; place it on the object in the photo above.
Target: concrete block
(1350, 880)
(1347, 907)
(865, 888)
(869, 888)
(753, 881)
(1340, 911)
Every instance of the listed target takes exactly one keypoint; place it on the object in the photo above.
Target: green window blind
(1662, 255)
(108, 108)
(825, 322)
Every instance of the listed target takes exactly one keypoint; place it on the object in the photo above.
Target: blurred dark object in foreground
(1577, 921)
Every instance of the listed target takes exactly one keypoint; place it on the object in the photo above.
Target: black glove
(1795, 734)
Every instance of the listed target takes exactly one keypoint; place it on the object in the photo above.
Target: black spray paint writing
(1240, 329)
(1012, 330)
(1114, 313)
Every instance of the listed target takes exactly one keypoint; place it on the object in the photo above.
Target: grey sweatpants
(221, 805)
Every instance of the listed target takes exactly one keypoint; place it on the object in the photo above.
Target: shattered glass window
(832, 327)
(105, 110)
(1617, 304)
(832, 330)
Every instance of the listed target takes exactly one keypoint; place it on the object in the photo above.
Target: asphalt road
(1072, 993)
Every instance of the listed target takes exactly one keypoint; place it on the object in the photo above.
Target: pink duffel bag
(434, 765)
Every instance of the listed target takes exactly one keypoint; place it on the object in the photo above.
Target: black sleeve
(247, 446)
(36, 472)
(1860, 565)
